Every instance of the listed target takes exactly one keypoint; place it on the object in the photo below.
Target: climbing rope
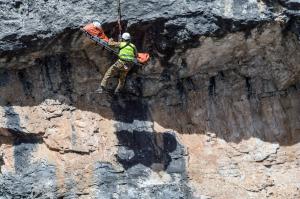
(119, 19)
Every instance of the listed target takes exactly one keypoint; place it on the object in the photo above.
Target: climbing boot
(101, 89)
(117, 91)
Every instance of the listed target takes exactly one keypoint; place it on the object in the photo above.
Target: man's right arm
(113, 43)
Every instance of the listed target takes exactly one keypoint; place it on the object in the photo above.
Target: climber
(127, 54)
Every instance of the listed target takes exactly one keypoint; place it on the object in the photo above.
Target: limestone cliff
(214, 115)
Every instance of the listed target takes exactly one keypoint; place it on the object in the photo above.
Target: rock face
(215, 114)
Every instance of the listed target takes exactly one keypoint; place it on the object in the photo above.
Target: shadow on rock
(147, 148)
(24, 146)
(128, 108)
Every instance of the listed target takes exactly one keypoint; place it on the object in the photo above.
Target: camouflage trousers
(120, 67)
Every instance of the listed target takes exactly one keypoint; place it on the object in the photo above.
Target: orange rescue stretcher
(100, 38)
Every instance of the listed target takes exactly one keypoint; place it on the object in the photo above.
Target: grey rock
(125, 154)
(37, 181)
(230, 67)
(139, 156)
(1, 162)
(133, 183)
(12, 120)
(291, 4)
(177, 166)
(27, 21)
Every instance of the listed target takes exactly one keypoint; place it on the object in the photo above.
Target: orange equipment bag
(94, 31)
(143, 57)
